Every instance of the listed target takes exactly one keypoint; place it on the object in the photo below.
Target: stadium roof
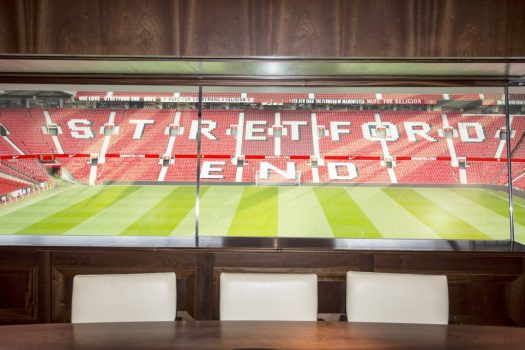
(322, 70)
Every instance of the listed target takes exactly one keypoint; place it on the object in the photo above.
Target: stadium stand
(141, 131)
(77, 167)
(128, 169)
(423, 97)
(349, 141)
(418, 133)
(338, 134)
(217, 140)
(476, 134)
(25, 169)
(8, 186)
(183, 144)
(298, 139)
(426, 172)
(256, 140)
(367, 172)
(346, 96)
(25, 127)
(6, 148)
(80, 128)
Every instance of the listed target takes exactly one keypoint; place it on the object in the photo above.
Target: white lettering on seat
(80, 132)
(210, 169)
(348, 171)
(335, 131)
(207, 126)
(265, 168)
(140, 126)
(251, 130)
(465, 132)
(370, 131)
(418, 128)
(294, 125)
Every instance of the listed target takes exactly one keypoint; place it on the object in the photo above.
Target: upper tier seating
(218, 141)
(424, 145)
(151, 140)
(25, 128)
(264, 146)
(350, 143)
(476, 144)
(347, 96)
(74, 138)
(6, 148)
(465, 97)
(413, 96)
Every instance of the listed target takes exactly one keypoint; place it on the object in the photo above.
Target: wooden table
(250, 335)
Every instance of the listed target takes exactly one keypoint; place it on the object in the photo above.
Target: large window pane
(102, 160)
(354, 163)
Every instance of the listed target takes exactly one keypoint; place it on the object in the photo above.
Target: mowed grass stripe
(36, 209)
(344, 215)
(390, 218)
(217, 210)
(300, 214)
(166, 215)
(115, 218)
(482, 217)
(495, 203)
(256, 214)
(75, 214)
(446, 224)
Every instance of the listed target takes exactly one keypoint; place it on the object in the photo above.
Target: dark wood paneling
(337, 28)
(36, 283)
(12, 30)
(120, 27)
(18, 287)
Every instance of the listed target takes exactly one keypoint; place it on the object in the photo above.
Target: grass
(308, 211)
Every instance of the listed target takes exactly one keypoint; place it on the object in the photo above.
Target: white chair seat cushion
(275, 297)
(396, 298)
(124, 298)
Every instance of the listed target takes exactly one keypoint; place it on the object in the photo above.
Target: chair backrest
(124, 298)
(396, 298)
(268, 296)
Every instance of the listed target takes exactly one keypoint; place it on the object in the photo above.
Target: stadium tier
(98, 145)
(11, 186)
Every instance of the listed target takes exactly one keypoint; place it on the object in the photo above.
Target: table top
(258, 335)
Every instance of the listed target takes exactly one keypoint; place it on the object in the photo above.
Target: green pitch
(307, 211)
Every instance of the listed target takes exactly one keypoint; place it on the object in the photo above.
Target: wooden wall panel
(18, 287)
(36, 283)
(98, 27)
(12, 27)
(305, 28)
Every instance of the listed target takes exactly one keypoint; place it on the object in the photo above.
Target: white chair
(124, 298)
(268, 297)
(396, 298)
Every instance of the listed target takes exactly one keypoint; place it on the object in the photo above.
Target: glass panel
(354, 163)
(97, 160)
(517, 118)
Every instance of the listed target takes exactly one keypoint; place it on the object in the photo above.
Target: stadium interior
(207, 143)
